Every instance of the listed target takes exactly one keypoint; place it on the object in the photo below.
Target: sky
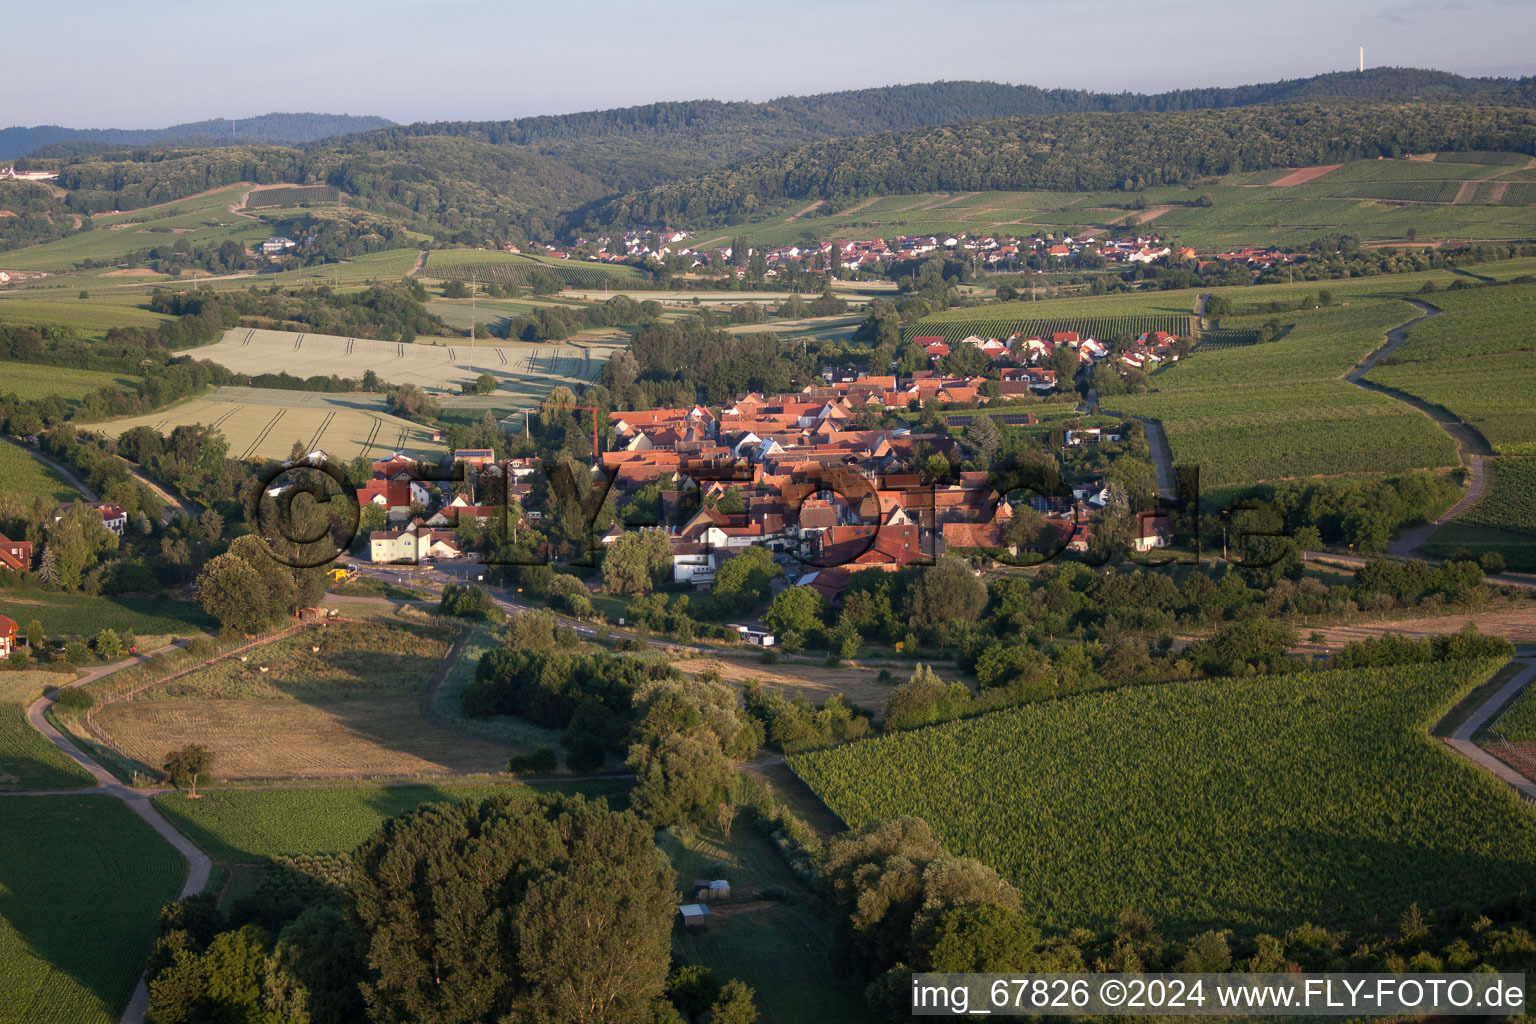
(159, 62)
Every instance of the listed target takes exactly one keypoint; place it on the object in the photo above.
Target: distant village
(874, 256)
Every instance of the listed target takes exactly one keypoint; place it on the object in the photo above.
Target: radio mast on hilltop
(1362, 60)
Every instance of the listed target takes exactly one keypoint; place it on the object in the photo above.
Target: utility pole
(472, 283)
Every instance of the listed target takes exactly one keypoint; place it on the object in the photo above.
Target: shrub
(74, 699)
(544, 759)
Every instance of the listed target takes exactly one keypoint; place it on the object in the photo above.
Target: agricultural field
(202, 219)
(1457, 539)
(1518, 723)
(1248, 208)
(82, 880)
(25, 687)
(1283, 409)
(1474, 322)
(82, 615)
(1105, 328)
(263, 423)
(22, 475)
(291, 195)
(91, 318)
(781, 948)
(1191, 792)
(486, 266)
(31, 380)
(524, 372)
(352, 708)
(28, 761)
(1510, 500)
(245, 825)
(1491, 393)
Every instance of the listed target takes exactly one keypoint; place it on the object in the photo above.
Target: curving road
(1470, 444)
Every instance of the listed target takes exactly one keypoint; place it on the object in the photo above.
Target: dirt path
(808, 209)
(69, 477)
(421, 265)
(1461, 740)
(863, 204)
(1470, 444)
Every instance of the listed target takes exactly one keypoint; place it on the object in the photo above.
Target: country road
(199, 866)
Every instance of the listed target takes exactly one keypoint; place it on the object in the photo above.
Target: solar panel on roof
(1016, 420)
(959, 421)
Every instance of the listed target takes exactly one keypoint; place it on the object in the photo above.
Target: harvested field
(261, 423)
(1517, 624)
(525, 372)
(1303, 175)
(351, 708)
(861, 686)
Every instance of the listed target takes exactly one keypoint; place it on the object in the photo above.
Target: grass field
(263, 423)
(82, 615)
(22, 475)
(1283, 409)
(25, 687)
(781, 949)
(1193, 796)
(28, 761)
(524, 372)
(245, 825)
(350, 709)
(82, 880)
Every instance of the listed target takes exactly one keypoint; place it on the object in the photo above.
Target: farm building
(277, 244)
(693, 915)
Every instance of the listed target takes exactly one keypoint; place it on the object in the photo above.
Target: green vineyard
(1266, 802)
(1402, 191)
(520, 270)
(1104, 328)
(1227, 337)
(293, 196)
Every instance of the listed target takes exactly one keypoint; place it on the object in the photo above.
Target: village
(993, 253)
(797, 474)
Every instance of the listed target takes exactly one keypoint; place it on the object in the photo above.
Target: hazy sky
(105, 63)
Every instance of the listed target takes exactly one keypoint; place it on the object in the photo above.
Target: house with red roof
(15, 555)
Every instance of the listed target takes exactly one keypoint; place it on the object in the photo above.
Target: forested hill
(53, 140)
(1074, 152)
(637, 147)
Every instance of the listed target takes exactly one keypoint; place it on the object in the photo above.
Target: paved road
(1461, 739)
